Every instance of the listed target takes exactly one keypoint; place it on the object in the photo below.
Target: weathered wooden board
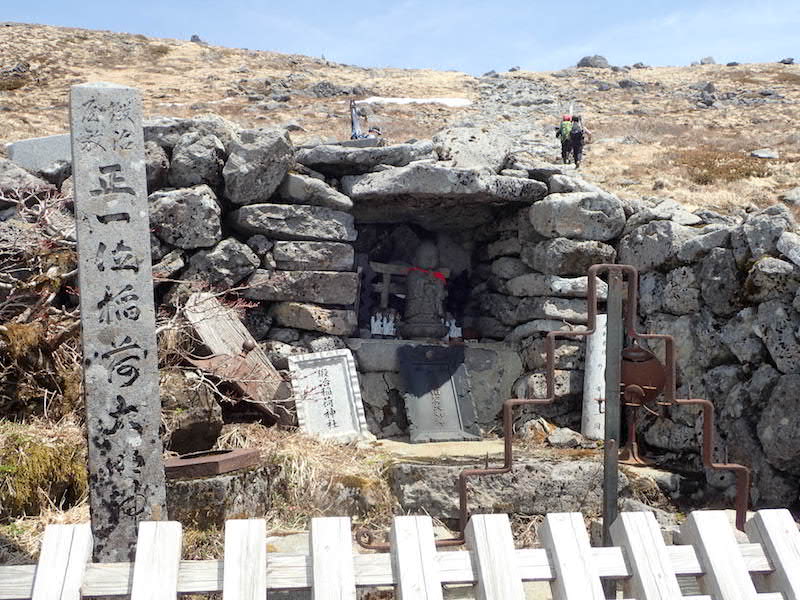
(235, 355)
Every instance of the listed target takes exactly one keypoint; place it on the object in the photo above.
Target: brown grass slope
(694, 155)
(182, 78)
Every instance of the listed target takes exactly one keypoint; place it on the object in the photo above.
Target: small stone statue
(425, 296)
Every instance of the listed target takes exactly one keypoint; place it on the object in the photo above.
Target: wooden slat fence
(647, 568)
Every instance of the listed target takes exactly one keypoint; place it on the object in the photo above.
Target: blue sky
(464, 35)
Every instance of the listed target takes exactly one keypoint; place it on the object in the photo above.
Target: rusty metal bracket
(366, 539)
(209, 463)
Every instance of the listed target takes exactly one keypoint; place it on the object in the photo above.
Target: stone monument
(425, 296)
(123, 411)
(438, 401)
(328, 396)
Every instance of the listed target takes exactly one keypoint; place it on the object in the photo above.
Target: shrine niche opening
(415, 283)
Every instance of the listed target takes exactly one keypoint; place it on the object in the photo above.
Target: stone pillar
(126, 472)
(594, 382)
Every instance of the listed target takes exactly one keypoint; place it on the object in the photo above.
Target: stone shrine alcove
(407, 270)
(440, 254)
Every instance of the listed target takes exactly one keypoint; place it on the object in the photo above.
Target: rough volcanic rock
(186, 218)
(534, 487)
(260, 244)
(313, 256)
(538, 326)
(571, 310)
(564, 184)
(771, 279)
(493, 369)
(662, 210)
(654, 245)
(568, 354)
(681, 293)
(473, 148)
(763, 229)
(14, 179)
(651, 292)
(740, 336)
(492, 328)
(301, 189)
(336, 161)
(257, 164)
(314, 318)
(169, 265)
(699, 246)
(434, 196)
(431, 181)
(719, 281)
(537, 284)
(207, 502)
(788, 244)
(595, 62)
(224, 265)
(258, 322)
(565, 257)
(508, 267)
(166, 131)
(776, 325)
(770, 488)
(292, 222)
(501, 307)
(779, 423)
(504, 247)
(579, 215)
(323, 287)
(156, 166)
(197, 159)
(698, 342)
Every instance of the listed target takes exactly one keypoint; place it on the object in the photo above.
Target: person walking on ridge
(563, 132)
(578, 135)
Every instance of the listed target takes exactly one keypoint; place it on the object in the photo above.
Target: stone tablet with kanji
(438, 400)
(327, 395)
(123, 410)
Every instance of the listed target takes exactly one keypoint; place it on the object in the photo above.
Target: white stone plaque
(328, 397)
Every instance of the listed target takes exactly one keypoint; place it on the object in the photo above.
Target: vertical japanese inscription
(123, 409)
(326, 397)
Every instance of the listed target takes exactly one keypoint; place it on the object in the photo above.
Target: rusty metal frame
(365, 537)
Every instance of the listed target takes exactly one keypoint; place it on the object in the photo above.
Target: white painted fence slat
(725, 572)
(245, 570)
(158, 557)
(496, 569)
(416, 570)
(576, 575)
(777, 533)
(332, 559)
(653, 577)
(492, 557)
(65, 551)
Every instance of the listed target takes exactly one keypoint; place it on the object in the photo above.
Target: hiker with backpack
(563, 132)
(578, 135)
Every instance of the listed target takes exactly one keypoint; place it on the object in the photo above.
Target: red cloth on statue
(436, 274)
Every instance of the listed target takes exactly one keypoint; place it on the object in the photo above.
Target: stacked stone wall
(245, 210)
(725, 286)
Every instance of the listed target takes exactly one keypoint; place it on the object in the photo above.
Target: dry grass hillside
(181, 78)
(654, 138)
